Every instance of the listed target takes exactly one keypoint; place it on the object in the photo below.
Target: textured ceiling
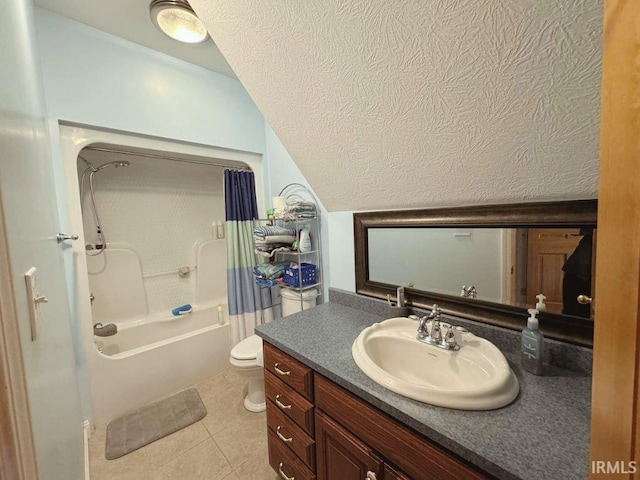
(400, 103)
(129, 19)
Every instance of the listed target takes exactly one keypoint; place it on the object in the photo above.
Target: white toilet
(246, 358)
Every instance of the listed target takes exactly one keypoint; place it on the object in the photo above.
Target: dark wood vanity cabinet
(341, 455)
(290, 415)
(318, 430)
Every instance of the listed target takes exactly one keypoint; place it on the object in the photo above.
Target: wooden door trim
(509, 239)
(616, 367)
(17, 453)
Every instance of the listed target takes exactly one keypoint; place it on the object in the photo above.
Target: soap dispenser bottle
(532, 345)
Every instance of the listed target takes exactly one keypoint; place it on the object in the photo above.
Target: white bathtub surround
(162, 210)
(139, 335)
(120, 287)
(150, 358)
(155, 217)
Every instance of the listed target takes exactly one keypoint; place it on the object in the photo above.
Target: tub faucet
(107, 330)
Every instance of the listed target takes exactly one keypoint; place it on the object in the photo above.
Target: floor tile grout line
(222, 452)
(159, 469)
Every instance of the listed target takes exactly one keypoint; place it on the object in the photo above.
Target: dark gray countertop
(544, 434)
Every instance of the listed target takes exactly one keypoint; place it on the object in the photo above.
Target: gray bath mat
(148, 424)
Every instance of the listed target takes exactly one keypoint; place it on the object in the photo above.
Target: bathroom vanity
(319, 430)
(328, 420)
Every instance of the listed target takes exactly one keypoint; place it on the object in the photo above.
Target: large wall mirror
(486, 263)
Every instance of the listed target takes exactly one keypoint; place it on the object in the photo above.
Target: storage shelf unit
(314, 256)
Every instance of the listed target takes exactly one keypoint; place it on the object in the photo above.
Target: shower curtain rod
(164, 157)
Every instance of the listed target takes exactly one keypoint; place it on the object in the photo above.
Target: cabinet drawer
(410, 452)
(295, 374)
(391, 474)
(292, 404)
(284, 462)
(294, 437)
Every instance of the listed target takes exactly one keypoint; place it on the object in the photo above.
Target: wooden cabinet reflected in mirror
(487, 263)
(560, 264)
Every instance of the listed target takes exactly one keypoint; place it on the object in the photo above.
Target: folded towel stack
(299, 209)
(267, 274)
(271, 239)
(271, 230)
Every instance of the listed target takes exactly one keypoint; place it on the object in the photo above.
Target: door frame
(615, 426)
(17, 451)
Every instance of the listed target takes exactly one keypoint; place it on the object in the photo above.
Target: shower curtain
(249, 305)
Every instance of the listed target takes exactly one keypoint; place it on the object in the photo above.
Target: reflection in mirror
(502, 265)
(486, 263)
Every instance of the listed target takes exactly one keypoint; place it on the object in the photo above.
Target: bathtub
(152, 358)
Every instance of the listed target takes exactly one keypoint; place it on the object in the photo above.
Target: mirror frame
(563, 214)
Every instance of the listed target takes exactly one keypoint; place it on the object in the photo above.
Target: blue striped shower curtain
(249, 305)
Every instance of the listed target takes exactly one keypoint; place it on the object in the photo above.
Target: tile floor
(230, 443)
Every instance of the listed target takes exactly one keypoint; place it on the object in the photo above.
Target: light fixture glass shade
(176, 19)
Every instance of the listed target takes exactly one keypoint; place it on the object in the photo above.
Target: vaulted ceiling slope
(417, 103)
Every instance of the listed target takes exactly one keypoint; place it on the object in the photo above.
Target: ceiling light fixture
(177, 19)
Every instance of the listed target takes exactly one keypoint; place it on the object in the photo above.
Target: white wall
(94, 78)
(28, 201)
(342, 262)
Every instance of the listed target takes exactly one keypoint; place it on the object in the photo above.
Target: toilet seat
(247, 349)
(253, 363)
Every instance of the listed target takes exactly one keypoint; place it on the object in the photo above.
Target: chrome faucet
(434, 336)
(469, 292)
(423, 329)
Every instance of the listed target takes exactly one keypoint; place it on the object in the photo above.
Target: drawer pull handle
(282, 437)
(284, 475)
(281, 372)
(282, 405)
(371, 476)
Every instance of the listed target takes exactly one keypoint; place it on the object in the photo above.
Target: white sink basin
(475, 377)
